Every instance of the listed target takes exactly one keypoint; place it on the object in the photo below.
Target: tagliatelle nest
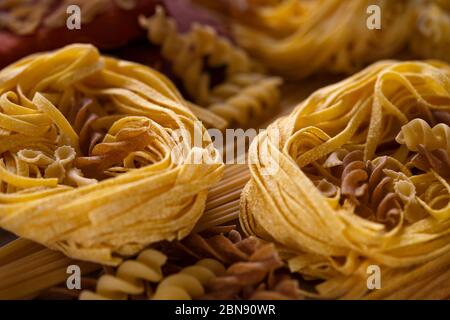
(299, 38)
(356, 176)
(97, 155)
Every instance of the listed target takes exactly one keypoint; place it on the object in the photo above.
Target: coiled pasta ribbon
(244, 94)
(130, 277)
(299, 38)
(97, 155)
(330, 239)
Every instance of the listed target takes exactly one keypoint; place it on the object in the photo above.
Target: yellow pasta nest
(134, 278)
(358, 175)
(98, 157)
(299, 38)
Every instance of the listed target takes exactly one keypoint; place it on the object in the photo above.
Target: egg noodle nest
(97, 156)
(359, 176)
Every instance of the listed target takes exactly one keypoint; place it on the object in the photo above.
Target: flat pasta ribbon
(299, 38)
(97, 156)
(390, 212)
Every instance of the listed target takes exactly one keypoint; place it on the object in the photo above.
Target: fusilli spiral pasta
(245, 97)
(331, 240)
(130, 277)
(97, 155)
(189, 282)
(188, 53)
(245, 274)
(437, 160)
(418, 132)
(244, 93)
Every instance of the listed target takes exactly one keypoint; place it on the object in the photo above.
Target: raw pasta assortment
(361, 179)
(100, 166)
(299, 38)
(88, 144)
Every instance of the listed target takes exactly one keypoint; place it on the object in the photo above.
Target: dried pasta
(418, 132)
(361, 136)
(248, 93)
(190, 282)
(299, 38)
(130, 278)
(18, 252)
(97, 155)
(134, 278)
(253, 97)
(432, 33)
(188, 51)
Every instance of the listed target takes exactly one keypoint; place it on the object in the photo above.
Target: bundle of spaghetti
(195, 54)
(28, 268)
(223, 203)
(299, 38)
(360, 136)
(431, 37)
(97, 156)
(62, 292)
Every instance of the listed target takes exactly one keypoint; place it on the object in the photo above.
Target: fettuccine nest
(300, 38)
(97, 155)
(358, 175)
